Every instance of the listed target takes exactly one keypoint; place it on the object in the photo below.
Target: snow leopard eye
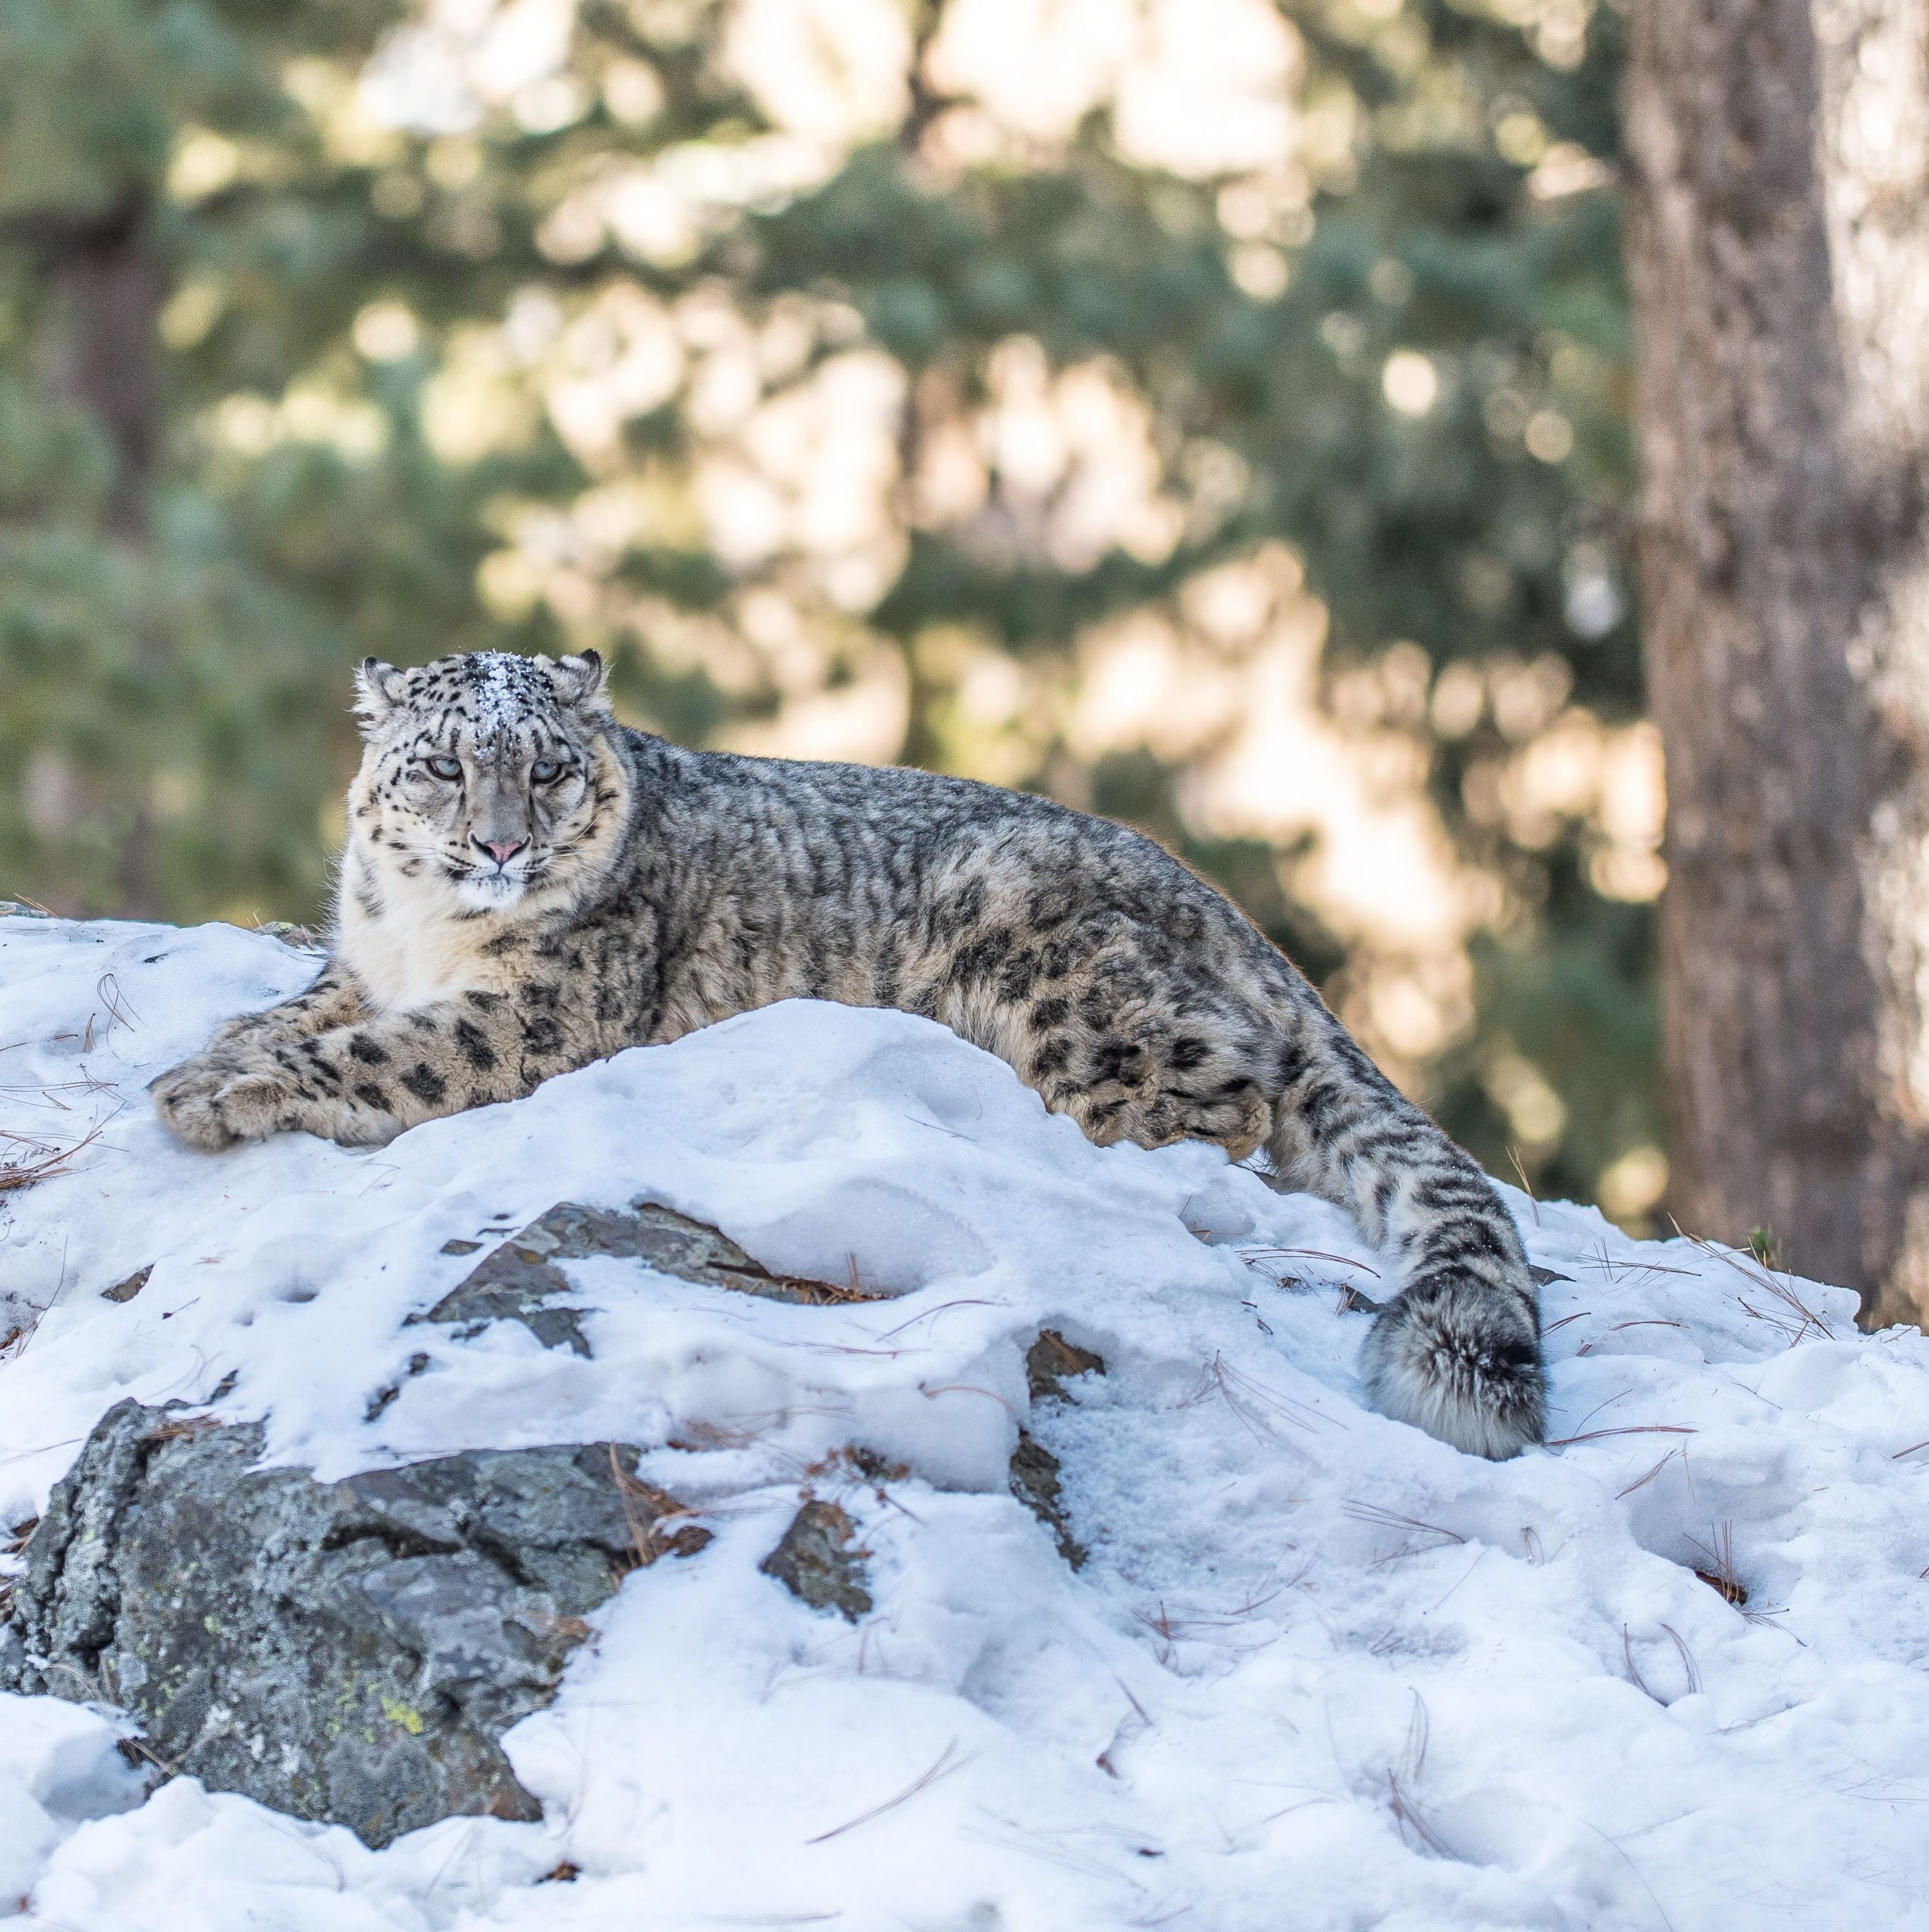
(445, 768)
(545, 771)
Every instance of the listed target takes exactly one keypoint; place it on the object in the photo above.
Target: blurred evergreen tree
(281, 386)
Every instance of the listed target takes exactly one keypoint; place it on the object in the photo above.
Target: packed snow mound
(1318, 1669)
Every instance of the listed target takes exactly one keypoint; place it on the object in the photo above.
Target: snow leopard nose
(502, 850)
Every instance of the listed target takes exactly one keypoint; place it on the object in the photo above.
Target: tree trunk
(1779, 247)
(102, 352)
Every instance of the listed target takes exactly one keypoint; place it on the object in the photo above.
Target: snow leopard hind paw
(1459, 1358)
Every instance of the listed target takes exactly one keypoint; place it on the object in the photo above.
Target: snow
(499, 694)
(1320, 1670)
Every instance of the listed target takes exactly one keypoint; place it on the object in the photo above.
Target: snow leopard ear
(579, 681)
(379, 689)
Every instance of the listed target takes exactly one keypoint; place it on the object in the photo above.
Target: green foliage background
(186, 578)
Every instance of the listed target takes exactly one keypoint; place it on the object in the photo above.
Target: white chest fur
(412, 950)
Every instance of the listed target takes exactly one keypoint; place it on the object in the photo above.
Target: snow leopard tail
(1456, 1352)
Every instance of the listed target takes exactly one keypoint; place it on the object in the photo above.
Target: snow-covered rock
(1317, 1669)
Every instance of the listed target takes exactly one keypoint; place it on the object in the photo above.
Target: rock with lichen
(348, 1651)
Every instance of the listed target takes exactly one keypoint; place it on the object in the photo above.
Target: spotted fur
(529, 886)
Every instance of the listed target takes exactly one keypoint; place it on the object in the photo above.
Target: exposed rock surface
(348, 1651)
(1035, 1481)
(126, 1291)
(519, 1281)
(1034, 1469)
(819, 1561)
(353, 1651)
(1051, 1359)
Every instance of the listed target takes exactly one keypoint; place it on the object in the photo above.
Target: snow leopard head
(486, 780)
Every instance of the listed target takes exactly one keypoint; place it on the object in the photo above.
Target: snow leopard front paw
(1459, 1357)
(248, 1030)
(217, 1100)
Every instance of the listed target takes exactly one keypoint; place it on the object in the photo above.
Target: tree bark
(1779, 247)
(102, 352)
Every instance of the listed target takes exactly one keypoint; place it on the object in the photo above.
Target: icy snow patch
(1318, 1670)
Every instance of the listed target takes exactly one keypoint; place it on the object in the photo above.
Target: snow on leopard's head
(487, 781)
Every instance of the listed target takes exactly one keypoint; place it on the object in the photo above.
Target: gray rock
(1035, 1471)
(1051, 1359)
(1035, 1481)
(126, 1291)
(350, 1651)
(519, 1281)
(819, 1561)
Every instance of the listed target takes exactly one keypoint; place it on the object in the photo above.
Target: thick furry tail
(1461, 1359)
(1458, 1353)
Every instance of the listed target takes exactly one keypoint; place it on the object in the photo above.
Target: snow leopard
(529, 884)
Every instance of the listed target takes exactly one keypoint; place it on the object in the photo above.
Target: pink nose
(502, 850)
